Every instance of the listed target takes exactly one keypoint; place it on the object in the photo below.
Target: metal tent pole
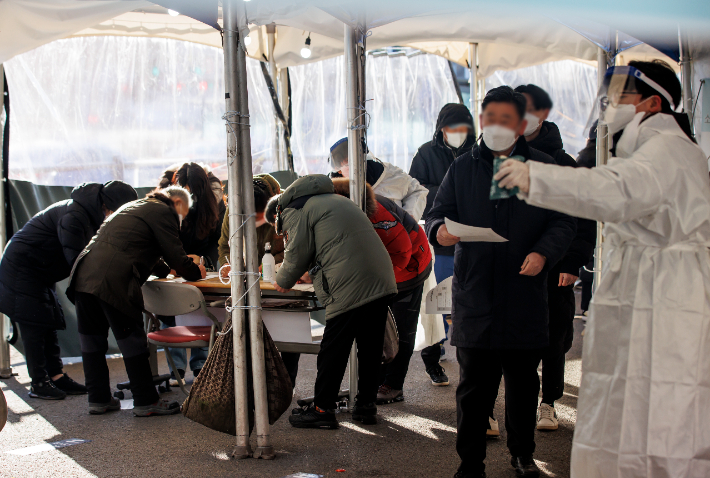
(686, 73)
(354, 90)
(271, 35)
(604, 60)
(5, 368)
(236, 241)
(256, 326)
(473, 97)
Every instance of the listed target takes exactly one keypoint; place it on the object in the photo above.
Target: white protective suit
(403, 189)
(644, 403)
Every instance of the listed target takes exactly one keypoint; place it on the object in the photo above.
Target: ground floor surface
(414, 438)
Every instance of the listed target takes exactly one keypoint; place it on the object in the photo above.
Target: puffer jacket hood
(311, 185)
(88, 196)
(342, 186)
(450, 114)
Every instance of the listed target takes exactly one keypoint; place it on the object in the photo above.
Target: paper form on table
(471, 233)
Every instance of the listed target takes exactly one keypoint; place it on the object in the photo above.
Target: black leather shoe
(367, 414)
(525, 466)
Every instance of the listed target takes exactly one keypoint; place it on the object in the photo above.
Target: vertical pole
(236, 241)
(354, 82)
(473, 98)
(5, 368)
(256, 327)
(686, 73)
(284, 101)
(271, 36)
(604, 60)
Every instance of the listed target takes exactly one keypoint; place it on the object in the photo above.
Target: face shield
(621, 87)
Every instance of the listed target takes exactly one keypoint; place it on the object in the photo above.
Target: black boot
(313, 417)
(46, 391)
(525, 466)
(367, 414)
(66, 384)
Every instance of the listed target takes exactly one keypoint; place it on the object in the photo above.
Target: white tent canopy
(505, 41)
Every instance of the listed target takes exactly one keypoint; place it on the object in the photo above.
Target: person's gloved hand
(514, 173)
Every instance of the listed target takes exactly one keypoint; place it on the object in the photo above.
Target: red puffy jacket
(403, 237)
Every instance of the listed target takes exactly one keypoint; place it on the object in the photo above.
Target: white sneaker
(493, 430)
(546, 417)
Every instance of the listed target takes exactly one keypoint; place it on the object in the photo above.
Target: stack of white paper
(471, 233)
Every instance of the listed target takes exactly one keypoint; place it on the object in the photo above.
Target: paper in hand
(471, 233)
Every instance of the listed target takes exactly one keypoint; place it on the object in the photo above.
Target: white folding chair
(171, 299)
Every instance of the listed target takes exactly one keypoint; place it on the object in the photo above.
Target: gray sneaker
(101, 408)
(386, 394)
(161, 407)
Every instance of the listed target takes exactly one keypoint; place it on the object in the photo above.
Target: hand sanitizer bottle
(268, 265)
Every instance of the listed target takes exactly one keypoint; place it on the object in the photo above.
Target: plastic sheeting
(100, 108)
(404, 92)
(572, 87)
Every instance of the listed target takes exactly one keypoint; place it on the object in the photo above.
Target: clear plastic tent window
(404, 93)
(101, 108)
(573, 88)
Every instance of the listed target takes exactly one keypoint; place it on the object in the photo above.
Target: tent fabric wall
(27, 200)
(100, 108)
(572, 87)
(404, 95)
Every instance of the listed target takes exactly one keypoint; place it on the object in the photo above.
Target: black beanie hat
(115, 194)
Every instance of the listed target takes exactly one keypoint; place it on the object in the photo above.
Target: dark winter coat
(549, 141)
(494, 306)
(127, 250)
(43, 252)
(432, 160)
(207, 246)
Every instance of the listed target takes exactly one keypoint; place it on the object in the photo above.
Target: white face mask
(455, 140)
(617, 117)
(499, 138)
(533, 124)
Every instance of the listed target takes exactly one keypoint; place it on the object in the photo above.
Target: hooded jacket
(494, 306)
(549, 141)
(127, 250)
(328, 236)
(432, 160)
(403, 237)
(393, 183)
(42, 253)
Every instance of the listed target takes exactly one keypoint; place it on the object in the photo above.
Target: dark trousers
(95, 317)
(365, 325)
(561, 305)
(41, 352)
(405, 309)
(479, 371)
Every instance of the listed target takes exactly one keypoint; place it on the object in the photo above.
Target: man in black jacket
(454, 135)
(106, 285)
(499, 304)
(545, 137)
(37, 257)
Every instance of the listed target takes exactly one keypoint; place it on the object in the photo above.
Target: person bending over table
(105, 286)
(331, 238)
(199, 233)
(37, 257)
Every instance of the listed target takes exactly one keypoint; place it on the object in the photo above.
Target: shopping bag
(211, 401)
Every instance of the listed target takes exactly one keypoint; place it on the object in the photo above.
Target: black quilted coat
(42, 253)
